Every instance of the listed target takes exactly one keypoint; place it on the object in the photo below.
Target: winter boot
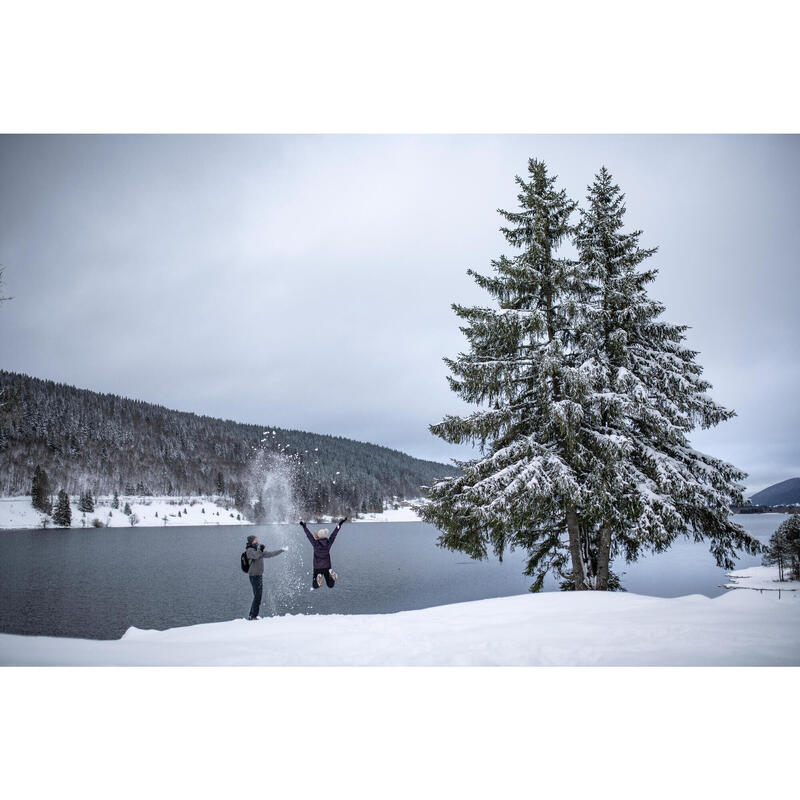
(334, 576)
(319, 580)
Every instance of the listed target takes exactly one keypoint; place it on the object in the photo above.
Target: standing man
(255, 555)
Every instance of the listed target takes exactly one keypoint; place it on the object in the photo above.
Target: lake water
(96, 583)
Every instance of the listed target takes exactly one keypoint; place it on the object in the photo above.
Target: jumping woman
(322, 541)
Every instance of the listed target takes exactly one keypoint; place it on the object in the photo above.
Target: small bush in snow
(96, 523)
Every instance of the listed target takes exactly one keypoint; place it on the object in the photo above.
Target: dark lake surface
(96, 583)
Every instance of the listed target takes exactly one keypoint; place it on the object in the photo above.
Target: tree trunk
(603, 556)
(576, 550)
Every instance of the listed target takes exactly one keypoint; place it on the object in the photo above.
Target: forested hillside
(104, 443)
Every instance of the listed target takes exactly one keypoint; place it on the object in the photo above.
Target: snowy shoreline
(17, 513)
(549, 629)
(760, 579)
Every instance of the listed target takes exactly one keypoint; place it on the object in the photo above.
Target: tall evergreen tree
(220, 484)
(86, 502)
(523, 485)
(791, 530)
(645, 485)
(62, 514)
(783, 549)
(40, 491)
(586, 400)
(115, 501)
(36, 487)
(776, 553)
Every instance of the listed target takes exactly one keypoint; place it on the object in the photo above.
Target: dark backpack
(245, 562)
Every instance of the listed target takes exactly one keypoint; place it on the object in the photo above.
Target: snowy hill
(785, 493)
(558, 628)
(105, 443)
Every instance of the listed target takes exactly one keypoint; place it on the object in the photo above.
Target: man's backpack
(245, 562)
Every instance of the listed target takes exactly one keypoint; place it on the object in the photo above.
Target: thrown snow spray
(272, 483)
(273, 480)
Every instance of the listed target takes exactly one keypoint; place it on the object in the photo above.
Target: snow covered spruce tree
(62, 514)
(86, 502)
(783, 549)
(646, 484)
(525, 485)
(587, 399)
(40, 491)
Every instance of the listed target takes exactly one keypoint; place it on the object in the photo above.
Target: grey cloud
(306, 281)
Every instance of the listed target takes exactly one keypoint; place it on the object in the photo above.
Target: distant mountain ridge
(785, 493)
(106, 443)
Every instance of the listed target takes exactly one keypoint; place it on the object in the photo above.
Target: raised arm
(337, 529)
(254, 553)
(308, 532)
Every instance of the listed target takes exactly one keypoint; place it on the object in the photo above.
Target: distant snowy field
(740, 628)
(18, 513)
(761, 579)
(403, 513)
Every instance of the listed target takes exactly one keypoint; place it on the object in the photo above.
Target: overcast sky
(306, 281)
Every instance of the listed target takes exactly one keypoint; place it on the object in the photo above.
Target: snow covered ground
(762, 579)
(403, 513)
(556, 628)
(17, 512)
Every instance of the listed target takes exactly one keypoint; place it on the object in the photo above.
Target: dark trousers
(257, 582)
(328, 577)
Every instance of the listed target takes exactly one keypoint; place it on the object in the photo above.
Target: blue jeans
(257, 582)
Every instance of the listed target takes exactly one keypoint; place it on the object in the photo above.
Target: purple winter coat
(322, 547)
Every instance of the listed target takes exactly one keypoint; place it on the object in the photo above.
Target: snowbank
(17, 512)
(558, 628)
(762, 579)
